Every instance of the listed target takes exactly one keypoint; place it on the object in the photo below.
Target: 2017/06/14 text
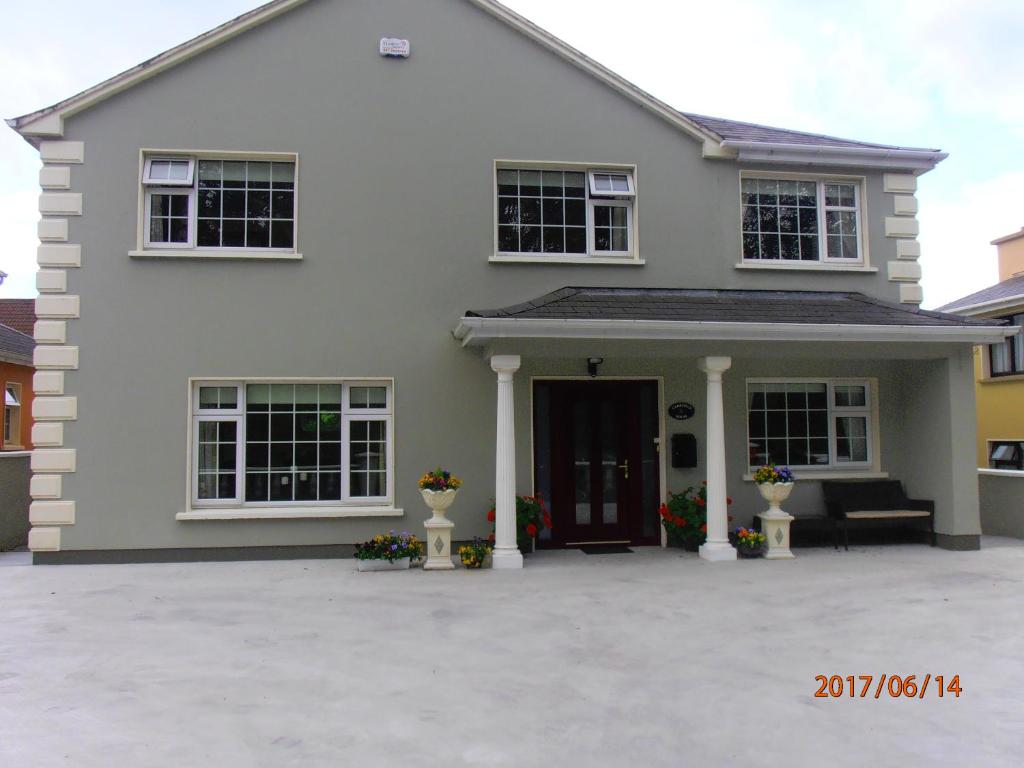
(895, 686)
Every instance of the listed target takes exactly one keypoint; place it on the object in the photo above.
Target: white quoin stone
(44, 539)
(62, 151)
(52, 229)
(506, 552)
(45, 486)
(717, 546)
(51, 281)
(48, 382)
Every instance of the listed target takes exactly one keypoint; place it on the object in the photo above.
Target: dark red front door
(598, 456)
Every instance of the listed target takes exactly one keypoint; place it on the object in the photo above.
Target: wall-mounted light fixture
(592, 363)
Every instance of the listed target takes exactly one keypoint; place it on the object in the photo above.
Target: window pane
(850, 395)
(209, 173)
(283, 175)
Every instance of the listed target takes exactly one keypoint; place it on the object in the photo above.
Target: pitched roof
(19, 314)
(15, 347)
(1006, 293)
(720, 138)
(731, 306)
(734, 130)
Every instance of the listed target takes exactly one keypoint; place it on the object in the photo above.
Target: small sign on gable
(395, 48)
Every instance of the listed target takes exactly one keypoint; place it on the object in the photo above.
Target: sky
(942, 74)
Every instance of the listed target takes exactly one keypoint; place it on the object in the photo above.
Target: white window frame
(869, 411)
(146, 249)
(608, 202)
(858, 182)
(823, 224)
(175, 192)
(147, 173)
(631, 199)
(592, 175)
(12, 416)
(275, 508)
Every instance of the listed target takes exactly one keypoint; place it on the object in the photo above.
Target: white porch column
(717, 546)
(506, 551)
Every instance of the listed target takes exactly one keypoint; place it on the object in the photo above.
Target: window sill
(619, 261)
(1001, 378)
(288, 513)
(14, 451)
(816, 266)
(199, 253)
(1001, 472)
(831, 474)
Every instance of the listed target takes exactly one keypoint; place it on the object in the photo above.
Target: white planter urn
(439, 530)
(775, 522)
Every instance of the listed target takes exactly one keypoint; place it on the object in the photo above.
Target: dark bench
(858, 500)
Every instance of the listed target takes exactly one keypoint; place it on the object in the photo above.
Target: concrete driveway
(648, 659)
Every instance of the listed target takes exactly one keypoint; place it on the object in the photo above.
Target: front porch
(890, 396)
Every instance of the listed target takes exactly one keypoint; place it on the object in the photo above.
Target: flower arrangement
(748, 540)
(472, 555)
(685, 517)
(390, 546)
(439, 480)
(531, 518)
(771, 474)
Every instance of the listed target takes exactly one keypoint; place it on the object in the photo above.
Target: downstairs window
(809, 423)
(295, 443)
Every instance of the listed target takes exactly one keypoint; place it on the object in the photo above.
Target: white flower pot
(775, 494)
(402, 564)
(439, 501)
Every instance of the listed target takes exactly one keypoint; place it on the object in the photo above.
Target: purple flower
(394, 547)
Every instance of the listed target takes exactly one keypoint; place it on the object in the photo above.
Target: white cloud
(18, 214)
(956, 231)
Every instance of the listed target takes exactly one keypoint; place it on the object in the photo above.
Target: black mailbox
(684, 451)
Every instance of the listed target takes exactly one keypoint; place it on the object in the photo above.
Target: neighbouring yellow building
(999, 368)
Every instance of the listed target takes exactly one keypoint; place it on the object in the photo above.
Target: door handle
(625, 469)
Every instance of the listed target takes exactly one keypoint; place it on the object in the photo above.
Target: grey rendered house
(282, 275)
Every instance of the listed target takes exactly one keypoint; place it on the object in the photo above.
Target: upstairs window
(801, 220)
(219, 204)
(1007, 357)
(575, 213)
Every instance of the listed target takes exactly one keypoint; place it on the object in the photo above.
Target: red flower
(704, 528)
(490, 516)
(728, 499)
(547, 520)
(663, 511)
(703, 482)
(700, 502)
(531, 530)
(680, 521)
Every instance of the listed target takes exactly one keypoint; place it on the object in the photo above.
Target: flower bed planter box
(402, 564)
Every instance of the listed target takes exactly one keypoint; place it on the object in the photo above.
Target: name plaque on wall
(395, 48)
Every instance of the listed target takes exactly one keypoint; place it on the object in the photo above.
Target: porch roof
(727, 314)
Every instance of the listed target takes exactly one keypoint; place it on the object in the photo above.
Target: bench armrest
(836, 509)
(921, 505)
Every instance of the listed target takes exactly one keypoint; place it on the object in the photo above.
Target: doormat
(605, 549)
